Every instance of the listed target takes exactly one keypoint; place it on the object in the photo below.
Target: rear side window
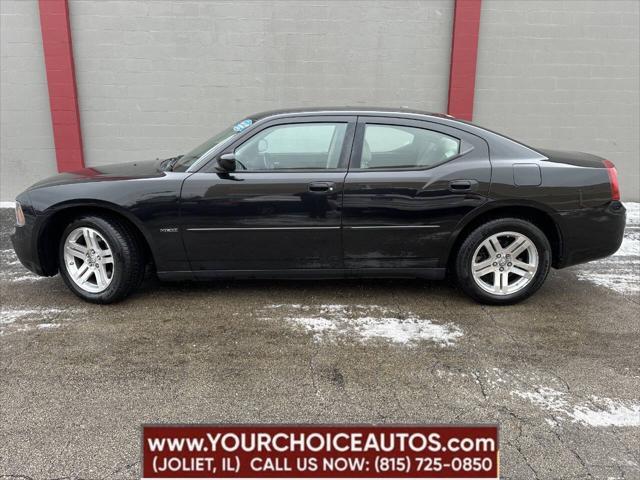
(396, 146)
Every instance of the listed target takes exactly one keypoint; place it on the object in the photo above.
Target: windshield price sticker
(242, 125)
(319, 451)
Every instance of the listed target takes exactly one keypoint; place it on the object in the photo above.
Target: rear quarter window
(397, 146)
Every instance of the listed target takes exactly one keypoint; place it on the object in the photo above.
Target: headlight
(20, 221)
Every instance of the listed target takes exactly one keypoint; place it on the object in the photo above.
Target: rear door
(409, 183)
(281, 208)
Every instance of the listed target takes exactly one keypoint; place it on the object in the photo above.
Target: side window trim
(344, 154)
(466, 146)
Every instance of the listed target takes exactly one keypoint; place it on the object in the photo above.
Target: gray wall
(564, 74)
(27, 153)
(157, 78)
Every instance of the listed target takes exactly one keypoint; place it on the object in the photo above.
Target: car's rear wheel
(503, 261)
(100, 259)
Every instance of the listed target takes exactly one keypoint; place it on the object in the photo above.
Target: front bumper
(25, 245)
(591, 233)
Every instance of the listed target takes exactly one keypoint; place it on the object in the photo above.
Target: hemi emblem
(169, 230)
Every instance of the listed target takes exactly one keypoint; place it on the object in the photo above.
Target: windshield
(190, 158)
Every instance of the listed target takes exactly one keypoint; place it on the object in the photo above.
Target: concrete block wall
(27, 153)
(564, 74)
(158, 78)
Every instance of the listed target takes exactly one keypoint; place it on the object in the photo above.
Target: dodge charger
(328, 193)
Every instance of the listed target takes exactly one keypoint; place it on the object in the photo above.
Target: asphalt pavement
(560, 373)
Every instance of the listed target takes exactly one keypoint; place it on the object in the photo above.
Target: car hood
(105, 173)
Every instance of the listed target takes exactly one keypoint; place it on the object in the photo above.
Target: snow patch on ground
(27, 278)
(8, 257)
(633, 212)
(363, 323)
(611, 413)
(623, 279)
(315, 325)
(14, 320)
(406, 331)
(555, 397)
(12, 270)
(630, 244)
(631, 241)
(47, 325)
(8, 316)
(596, 412)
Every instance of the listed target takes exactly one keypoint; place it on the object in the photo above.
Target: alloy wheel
(88, 259)
(505, 263)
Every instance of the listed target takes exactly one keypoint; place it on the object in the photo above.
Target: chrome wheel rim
(505, 263)
(89, 260)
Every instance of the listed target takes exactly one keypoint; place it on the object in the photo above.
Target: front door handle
(462, 185)
(321, 187)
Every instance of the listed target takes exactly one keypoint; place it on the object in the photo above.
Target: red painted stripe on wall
(464, 54)
(61, 81)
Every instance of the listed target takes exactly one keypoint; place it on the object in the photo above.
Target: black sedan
(328, 193)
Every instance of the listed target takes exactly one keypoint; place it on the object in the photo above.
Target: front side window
(294, 146)
(396, 146)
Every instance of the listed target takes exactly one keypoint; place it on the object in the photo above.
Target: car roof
(347, 110)
(501, 146)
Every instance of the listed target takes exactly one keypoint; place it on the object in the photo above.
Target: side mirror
(227, 162)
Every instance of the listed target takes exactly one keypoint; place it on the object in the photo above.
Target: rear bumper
(591, 233)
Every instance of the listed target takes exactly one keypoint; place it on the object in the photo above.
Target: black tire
(129, 262)
(464, 260)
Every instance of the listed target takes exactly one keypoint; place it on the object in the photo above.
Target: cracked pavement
(560, 373)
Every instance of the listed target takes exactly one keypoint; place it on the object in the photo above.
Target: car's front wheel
(100, 259)
(503, 261)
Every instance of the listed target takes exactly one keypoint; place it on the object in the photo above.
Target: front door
(409, 184)
(281, 208)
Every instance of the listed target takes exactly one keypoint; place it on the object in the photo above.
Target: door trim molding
(207, 229)
(388, 227)
(357, 227)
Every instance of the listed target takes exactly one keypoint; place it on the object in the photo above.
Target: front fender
(152, 206)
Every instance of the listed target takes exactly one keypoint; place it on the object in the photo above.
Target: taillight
(613, 180)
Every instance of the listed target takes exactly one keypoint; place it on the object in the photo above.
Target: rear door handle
(321, 187)
(462, 185)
